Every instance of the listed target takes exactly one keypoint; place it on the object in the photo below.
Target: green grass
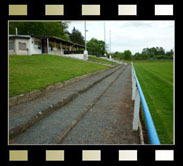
(156, 80)
(100, 60)
(28, 73)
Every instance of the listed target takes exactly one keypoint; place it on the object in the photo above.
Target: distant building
(30, 45)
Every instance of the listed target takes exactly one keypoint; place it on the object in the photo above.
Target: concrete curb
(24, 97)
(100, 63)
(60, 138)
(24, 126)
(37, 93)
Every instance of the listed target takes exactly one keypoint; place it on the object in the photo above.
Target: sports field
(156, 79)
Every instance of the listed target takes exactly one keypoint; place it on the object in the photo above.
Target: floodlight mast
(85, 51)
(104, 41)
(16, 31)
(85, 35)
(110, 42)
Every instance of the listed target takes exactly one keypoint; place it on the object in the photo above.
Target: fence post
(133, 83)
(134, 87)
(136, 110)
(132, 71)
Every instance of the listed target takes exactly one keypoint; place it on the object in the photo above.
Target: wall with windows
(33, 46)
(21, 46)
(18, 47)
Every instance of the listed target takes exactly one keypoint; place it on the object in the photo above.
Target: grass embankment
(100, 60)
(28, 73)
(156, 79)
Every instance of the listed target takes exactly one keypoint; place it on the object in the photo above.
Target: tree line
(153, 53)
(58, 29)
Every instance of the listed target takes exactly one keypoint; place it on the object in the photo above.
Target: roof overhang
(19, 36)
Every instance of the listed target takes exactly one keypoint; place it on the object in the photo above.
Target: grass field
(100, 60)
(156, 79)
(27, 73)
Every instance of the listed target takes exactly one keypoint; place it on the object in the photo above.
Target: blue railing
(154, 139)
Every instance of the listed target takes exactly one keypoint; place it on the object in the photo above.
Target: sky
(129, 35)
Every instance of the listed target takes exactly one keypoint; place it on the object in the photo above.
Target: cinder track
(76, 122)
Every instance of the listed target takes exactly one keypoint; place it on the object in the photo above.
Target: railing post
(134, 87)
(132, 71)
(136, 110)
(133, 83)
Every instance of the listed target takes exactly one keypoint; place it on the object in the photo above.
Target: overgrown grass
(27, 73)
(100, 60)
(156, 79)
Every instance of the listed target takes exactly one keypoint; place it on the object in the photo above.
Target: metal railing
(138, 96)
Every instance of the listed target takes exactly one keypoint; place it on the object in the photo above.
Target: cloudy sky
(132, 35)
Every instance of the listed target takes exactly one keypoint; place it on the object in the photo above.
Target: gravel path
(107, 112)
(110, 120)
(23, 112)
(48, 129)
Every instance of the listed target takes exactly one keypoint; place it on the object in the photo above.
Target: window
(11, 45)
(22, 46)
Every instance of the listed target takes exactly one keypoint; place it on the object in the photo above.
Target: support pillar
(136, 111)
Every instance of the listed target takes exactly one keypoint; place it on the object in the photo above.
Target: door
(43, 46)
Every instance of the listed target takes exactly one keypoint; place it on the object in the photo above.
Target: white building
(33, 45)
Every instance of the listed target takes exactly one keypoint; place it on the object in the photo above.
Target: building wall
(55, 48)
(77, 56)
(21, 51)
(35, 47)
(11, 52)
(18, 48)
(51, 48)
(11, 49)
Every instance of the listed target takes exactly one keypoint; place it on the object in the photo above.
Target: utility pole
(85, 51)
(85, 35)
(110, 42)
(104, 41)
(16, 31)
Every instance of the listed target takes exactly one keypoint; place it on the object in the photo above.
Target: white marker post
(136, 111)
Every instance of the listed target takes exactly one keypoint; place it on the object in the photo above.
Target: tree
(169, 53)
(153, 52)
(127, 55)
(57, 29)
(118, 55)
(76, 37)
(96, 47)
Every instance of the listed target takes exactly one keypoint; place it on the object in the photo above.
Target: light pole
(104, 41)
(16, 31)
(110, 42)
(85, 51)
